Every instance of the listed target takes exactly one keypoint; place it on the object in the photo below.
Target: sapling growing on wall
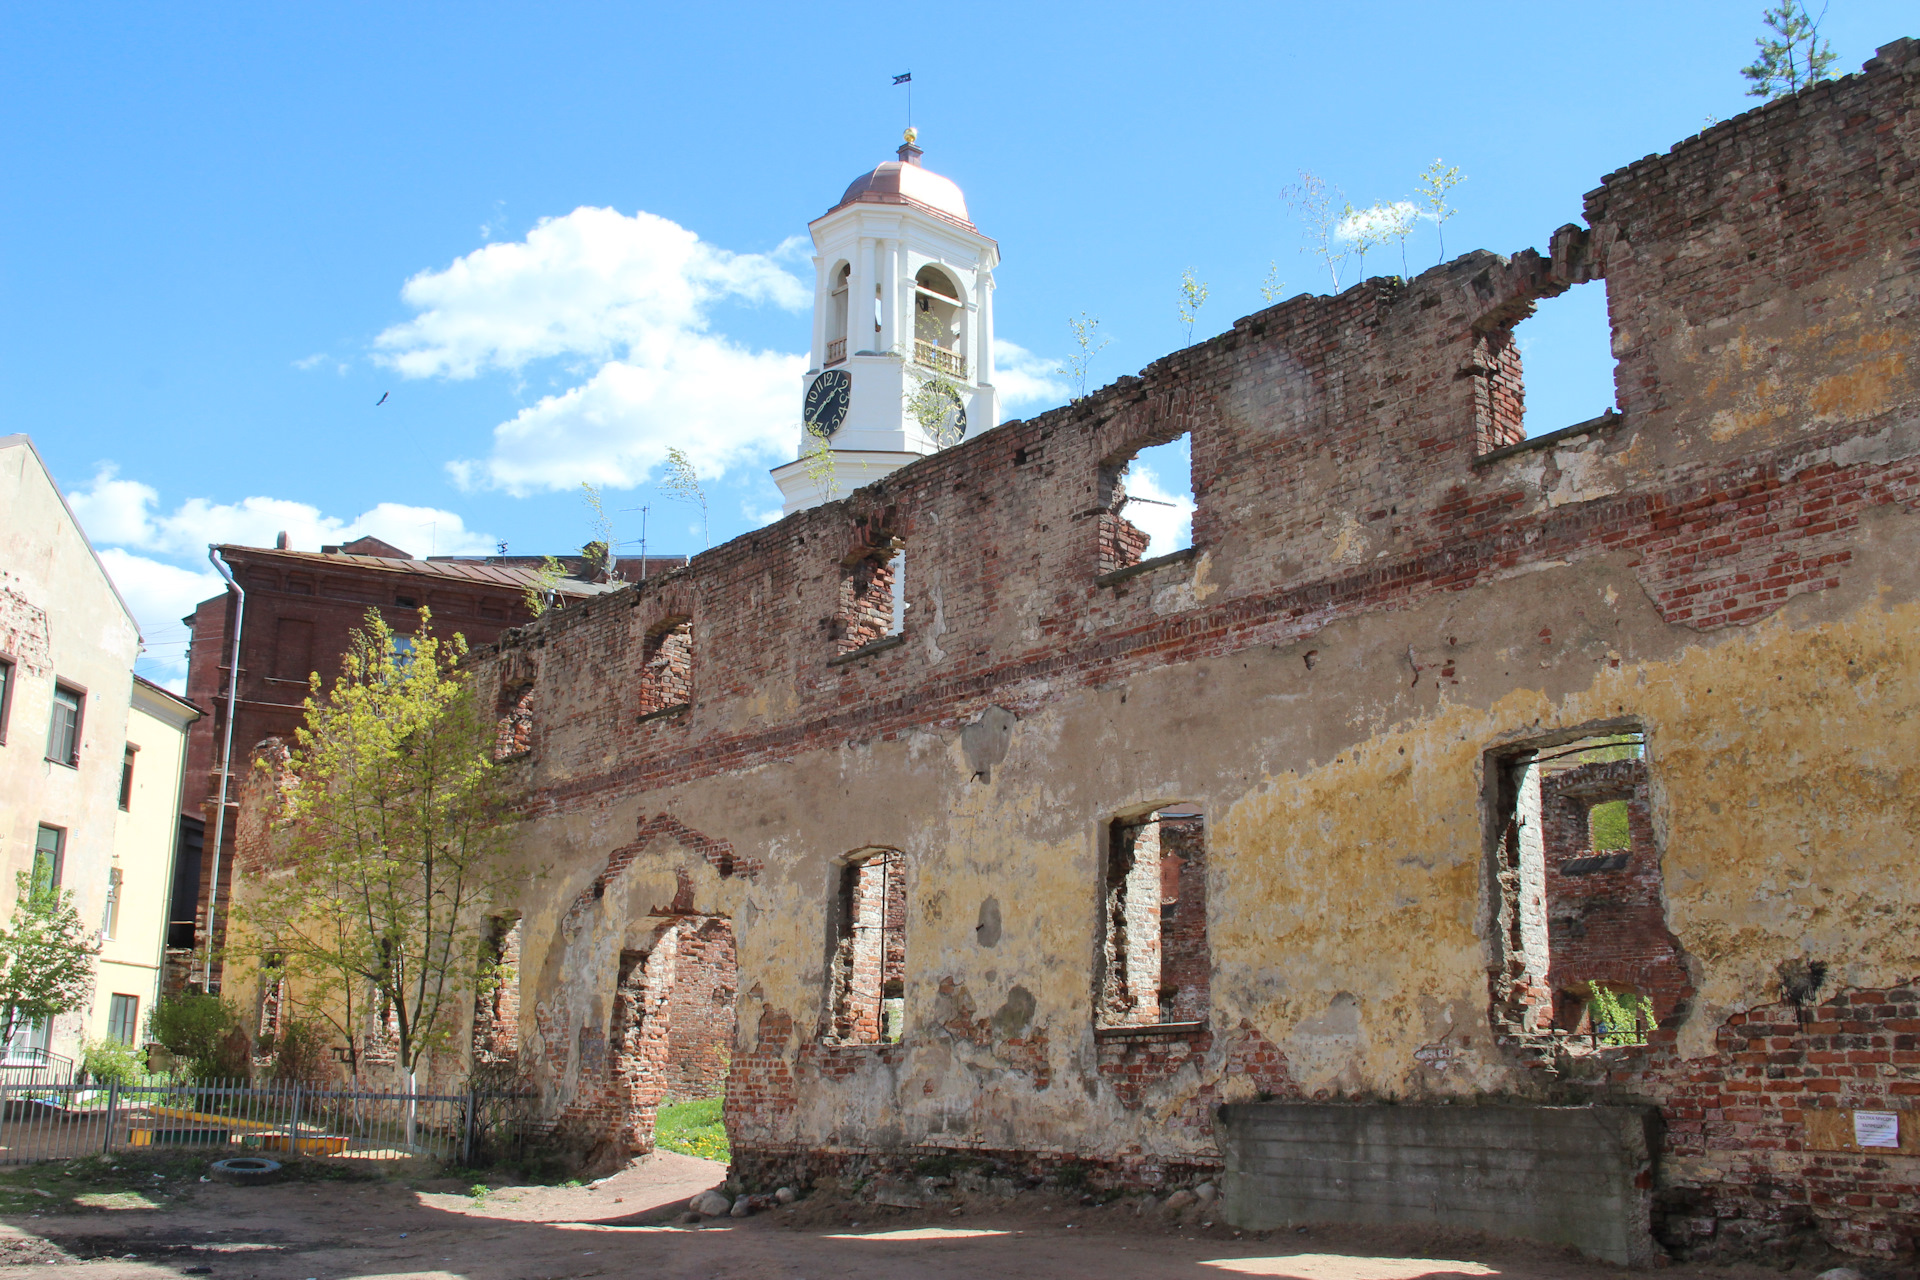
(1314, 200)
(682, 482)
(1085, 329)
(1193, 296)
(539, 593)
(1436, 181)
(1270, 287)
(818, 460)
(1794, 57)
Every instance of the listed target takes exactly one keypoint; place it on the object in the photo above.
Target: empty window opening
(1582, 924)
(496, 1005)
(837, 315)
(1155, 964)
(514, 736)
(868, 1004)
(873, 597)
(1552, 369)
(1146, 504)
(666, 667)
(673, 1021)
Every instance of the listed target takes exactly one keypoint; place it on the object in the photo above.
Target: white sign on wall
(1876, 1128)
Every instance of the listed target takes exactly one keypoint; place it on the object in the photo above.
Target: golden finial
(911, 135)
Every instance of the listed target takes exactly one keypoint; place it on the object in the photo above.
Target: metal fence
(47, 1120)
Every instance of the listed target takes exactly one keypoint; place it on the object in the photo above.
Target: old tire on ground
(245, 1171)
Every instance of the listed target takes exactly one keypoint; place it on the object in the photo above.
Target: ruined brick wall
(1385, 592)
(700, 1015)
(1606, 919)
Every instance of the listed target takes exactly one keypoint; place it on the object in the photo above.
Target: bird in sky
(382, 400)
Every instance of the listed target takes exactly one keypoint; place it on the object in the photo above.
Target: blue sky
(212, 215)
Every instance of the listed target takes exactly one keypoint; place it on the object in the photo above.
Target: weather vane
(907, 80)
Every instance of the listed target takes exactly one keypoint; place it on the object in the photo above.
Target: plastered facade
(1389, 593)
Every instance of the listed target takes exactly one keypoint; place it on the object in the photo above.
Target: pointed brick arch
(719, 855)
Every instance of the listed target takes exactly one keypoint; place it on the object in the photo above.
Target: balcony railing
(836, 350)
(933, 357)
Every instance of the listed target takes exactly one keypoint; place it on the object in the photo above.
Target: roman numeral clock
(902, 319)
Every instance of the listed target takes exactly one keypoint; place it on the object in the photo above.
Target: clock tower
(902, 332)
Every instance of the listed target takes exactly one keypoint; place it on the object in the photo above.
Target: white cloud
(724, 406)
(125, 513)
(313, 361)
(593, 283)
(1378, 223)
(160, 595)
(627, 300)
(1168, 527)
(1024, 378)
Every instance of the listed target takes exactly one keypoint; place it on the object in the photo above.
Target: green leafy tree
(1437, 181)
(46, 957)
(1270, 287)
(1193, 296)
(682, 483)
(1085, 329)
(539, 593)
(194, 1026)
(1793, 57)
(391, 843)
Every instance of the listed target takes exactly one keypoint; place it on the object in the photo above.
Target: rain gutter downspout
(226, 753)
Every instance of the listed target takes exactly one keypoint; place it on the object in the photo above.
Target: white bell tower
(902, 332)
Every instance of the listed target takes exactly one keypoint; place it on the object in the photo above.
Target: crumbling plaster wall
(1369, 610)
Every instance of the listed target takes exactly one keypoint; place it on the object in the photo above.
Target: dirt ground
(118, 1220)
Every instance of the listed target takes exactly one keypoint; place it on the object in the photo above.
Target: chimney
(280, 541)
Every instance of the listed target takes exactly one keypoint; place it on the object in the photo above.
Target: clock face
(827, 400)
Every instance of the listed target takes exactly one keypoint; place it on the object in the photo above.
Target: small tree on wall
(392, 841)
(1793, 57)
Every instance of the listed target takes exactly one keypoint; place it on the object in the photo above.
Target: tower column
(821, 302)
(860, 299)
(983, 329)
(889, 265)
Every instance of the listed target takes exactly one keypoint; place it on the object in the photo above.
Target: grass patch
(692, 1129)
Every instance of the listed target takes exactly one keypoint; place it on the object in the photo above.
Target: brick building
(301, 607)
(1096, 865)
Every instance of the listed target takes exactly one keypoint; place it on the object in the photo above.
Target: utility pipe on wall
(226, 753)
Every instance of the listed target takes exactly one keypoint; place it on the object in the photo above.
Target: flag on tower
(903, 79)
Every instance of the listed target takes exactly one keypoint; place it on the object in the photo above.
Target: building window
(6, 696)
(666, 667)
(1582, 926)
(63, 733)
(868, 1004)
(1156, 968)
(114, 879)
(126, 777)
(49, 848)
(123, 1019)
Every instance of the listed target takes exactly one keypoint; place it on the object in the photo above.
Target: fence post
(466, 1148)
(293, 1129)
(113, 1102)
